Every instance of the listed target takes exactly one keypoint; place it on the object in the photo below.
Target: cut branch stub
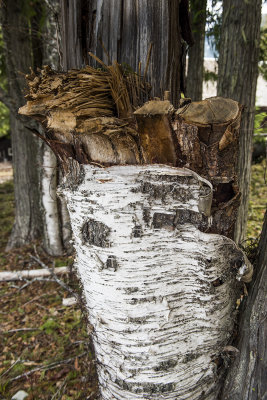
(208, 133)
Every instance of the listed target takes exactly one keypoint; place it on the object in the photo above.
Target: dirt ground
(6, 172)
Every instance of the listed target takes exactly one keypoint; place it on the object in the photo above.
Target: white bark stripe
(159, 323)
(49, 201)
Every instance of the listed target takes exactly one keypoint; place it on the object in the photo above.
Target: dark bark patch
(166, 365)
(112, 263)
(181, 217)
(217, 282)
(145, 388)
(146, 216)
(190, 217)
(161, 191)
(137, 231)
(95, 233)
(224, 192)
(190, 357)
(131, 290)
(142, 300)
(161, 220)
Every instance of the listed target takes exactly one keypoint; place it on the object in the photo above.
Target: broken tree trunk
(160, 280)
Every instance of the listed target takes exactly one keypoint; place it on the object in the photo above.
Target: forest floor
(44, 346)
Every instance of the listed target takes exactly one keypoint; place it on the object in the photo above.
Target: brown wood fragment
(155, 131)
(79, 110)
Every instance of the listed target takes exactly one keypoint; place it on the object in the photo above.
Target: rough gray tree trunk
(238, 72)
(16, 36)
(195, 71)
(123, 31)
(247, 377)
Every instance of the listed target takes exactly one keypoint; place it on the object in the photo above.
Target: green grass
(6, 211)
(258, 200)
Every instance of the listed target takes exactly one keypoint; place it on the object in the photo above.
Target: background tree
(18, 59)
(31, 38)
(195, 72)
(238, 73)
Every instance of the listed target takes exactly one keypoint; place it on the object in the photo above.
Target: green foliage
(257, 200)
(6, 213)
(4, 120)
(210, 76)
(4, 111)
(263, 53)
(213, 25)
(260, 122)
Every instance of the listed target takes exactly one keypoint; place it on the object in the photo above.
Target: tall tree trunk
(238, 72)
(195, 71)
(25, 147)
(247, 377)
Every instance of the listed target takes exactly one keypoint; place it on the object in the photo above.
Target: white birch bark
(52, 234)
(150, 276)
(55, 215)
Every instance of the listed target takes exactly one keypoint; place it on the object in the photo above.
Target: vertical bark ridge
(195, 71)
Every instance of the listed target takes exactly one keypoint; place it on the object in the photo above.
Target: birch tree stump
(161, 294)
